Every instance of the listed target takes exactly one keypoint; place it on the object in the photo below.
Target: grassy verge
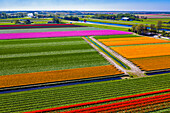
(147, 21)
(7, 23)
(138, 44)
(103, 26)
(115, 36)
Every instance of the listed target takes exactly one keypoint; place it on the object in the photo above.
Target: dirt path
(134, 69)
(105, 56)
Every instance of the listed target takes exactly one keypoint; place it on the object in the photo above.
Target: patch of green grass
(138, 44)
(36, 55)
(7, 23)
(145, 21)
(68, 95)
(103, 26)
(114, 36)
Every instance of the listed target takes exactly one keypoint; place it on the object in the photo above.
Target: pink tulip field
(61, 34)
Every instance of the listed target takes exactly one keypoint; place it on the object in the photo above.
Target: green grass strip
(114, 36)
(138, 44)
(103, 26)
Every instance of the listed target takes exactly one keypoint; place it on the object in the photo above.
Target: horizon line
(94, 10)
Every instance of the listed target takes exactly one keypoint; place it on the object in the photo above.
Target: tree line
(152, 28)
(71, 18)
(116, 17)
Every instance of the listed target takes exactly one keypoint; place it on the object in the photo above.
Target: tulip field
(152, 103)
(160, 62)
(132, 41)
(53, 68)
(37, 26)
(39, 59)
(59, 75)
(145, 52)
(60, 34)
(37, 55)
(48, 29)
(76, 94)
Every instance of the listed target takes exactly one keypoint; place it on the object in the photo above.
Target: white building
(30, 15)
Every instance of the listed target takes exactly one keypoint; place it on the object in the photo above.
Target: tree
(145, 29)
(163, 33)
(16, 22)
(4, 15)
(159, 25)
(27, 21)
(55, 19)
(129, 30)
(134, 28)
(71, 18)
(140, 28)
(153, 28)
(76, 19)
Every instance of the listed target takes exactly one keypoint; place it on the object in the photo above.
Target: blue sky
(92, 5)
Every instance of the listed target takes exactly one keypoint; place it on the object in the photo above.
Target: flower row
(58, 75)
(61, 34)
(37, 26)
(120, 104)
(143, 50)
(125, 105)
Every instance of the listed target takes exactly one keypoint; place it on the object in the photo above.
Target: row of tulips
(143, 50)
(107, 100)
(152, 63)
(121, 106)
(58, 75)
(37, 26)
(60, 34)
(134, 42)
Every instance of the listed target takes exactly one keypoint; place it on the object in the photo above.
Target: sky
(86, 5)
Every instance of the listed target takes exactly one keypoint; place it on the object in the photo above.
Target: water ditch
(121, 25)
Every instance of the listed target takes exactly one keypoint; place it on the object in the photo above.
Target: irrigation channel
(155, 72)
(114, 58)
(60, 84)
(120, 25)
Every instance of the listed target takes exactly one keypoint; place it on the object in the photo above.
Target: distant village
(49, 14)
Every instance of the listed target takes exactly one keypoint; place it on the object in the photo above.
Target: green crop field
(102, 26)
(145, 21)
(68, 95)
(36, 55)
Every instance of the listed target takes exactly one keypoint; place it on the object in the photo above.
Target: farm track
(105, 56)
(133, 69)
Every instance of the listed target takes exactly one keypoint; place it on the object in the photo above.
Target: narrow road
(134, 69)
(105, 56)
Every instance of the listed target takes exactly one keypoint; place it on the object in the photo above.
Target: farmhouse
(126, 19)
